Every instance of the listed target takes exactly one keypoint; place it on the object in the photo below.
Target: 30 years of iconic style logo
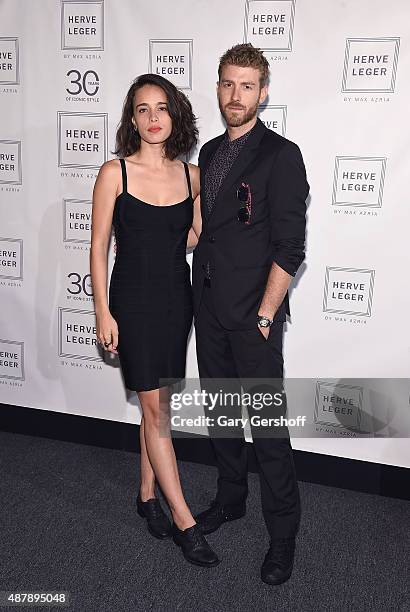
(359, 181)
(370, 64)
(10, 162)
(348, 291)
(274, 117)
(172, 59)
(79, 287)
(9, 61)
(338, 405)
(82, 24)
(82, 139)
(82, 84)
(269, 24)
(77, 221)
(12, 359)
(11, 258)
(77, 334)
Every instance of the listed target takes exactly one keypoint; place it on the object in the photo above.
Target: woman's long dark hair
(184, 134)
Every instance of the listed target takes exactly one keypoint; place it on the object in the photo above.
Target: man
(253, 192)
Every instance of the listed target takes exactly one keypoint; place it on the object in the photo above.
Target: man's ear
(263, 94)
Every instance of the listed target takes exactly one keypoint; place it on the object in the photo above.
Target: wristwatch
(264, 321)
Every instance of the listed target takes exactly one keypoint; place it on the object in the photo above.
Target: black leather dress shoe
(194, 546)
(157, 521)
(210, 520)
(278, 564)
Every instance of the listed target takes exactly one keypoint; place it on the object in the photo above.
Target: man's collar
(241, 138)
(253, 136)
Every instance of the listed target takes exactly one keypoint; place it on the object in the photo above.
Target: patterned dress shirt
(218, 169)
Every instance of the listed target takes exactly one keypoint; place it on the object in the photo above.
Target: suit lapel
(203, 168)
(245, 157)
(207, 159)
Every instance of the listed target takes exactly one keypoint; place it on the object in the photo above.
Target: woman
(152, 199)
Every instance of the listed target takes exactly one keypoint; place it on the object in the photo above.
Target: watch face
(263, 323)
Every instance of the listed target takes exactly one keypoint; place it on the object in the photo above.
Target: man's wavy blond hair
(246, 56)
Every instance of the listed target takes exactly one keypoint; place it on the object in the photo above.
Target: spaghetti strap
(188, 178)
(124, 175)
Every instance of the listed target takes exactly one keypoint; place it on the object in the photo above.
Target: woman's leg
(161, 455)
(147, 489)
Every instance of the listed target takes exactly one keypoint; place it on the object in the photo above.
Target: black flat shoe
(194, 546)
(278, 564)
(211, 519)
(157, 521)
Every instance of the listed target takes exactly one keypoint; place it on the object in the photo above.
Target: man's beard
(238, 119)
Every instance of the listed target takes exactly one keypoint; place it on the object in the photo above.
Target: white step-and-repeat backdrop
(339, 88)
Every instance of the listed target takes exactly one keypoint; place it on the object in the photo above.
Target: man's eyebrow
(241, 83)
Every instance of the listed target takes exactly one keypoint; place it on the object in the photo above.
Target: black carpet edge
(329, 470)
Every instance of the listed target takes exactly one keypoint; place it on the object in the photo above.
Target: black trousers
(237, 356)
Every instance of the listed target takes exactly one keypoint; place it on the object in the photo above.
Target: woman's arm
(104, 196)
(196, 228)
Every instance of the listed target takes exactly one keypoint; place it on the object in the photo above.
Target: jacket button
(211, 239)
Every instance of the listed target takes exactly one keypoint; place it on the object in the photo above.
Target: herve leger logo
(274, 118)
(77, 334)
(348, 291)
(10, 162)
(370, 65)
(82, 24)
(11, 258)
(172, 59)
(269, 24)
(77, 221)
(9, 61)
(359, 181)
(11, 359)
(82, 139)
(338, 405)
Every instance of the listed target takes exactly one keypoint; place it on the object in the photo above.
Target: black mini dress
(150, 293)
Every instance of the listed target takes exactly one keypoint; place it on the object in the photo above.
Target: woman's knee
(152, 410)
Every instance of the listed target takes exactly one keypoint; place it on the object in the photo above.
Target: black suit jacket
(241, 255)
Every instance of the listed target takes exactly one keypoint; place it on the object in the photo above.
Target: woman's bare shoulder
(194, 173)
(193, 169)
(110, 167)
(110, 172)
